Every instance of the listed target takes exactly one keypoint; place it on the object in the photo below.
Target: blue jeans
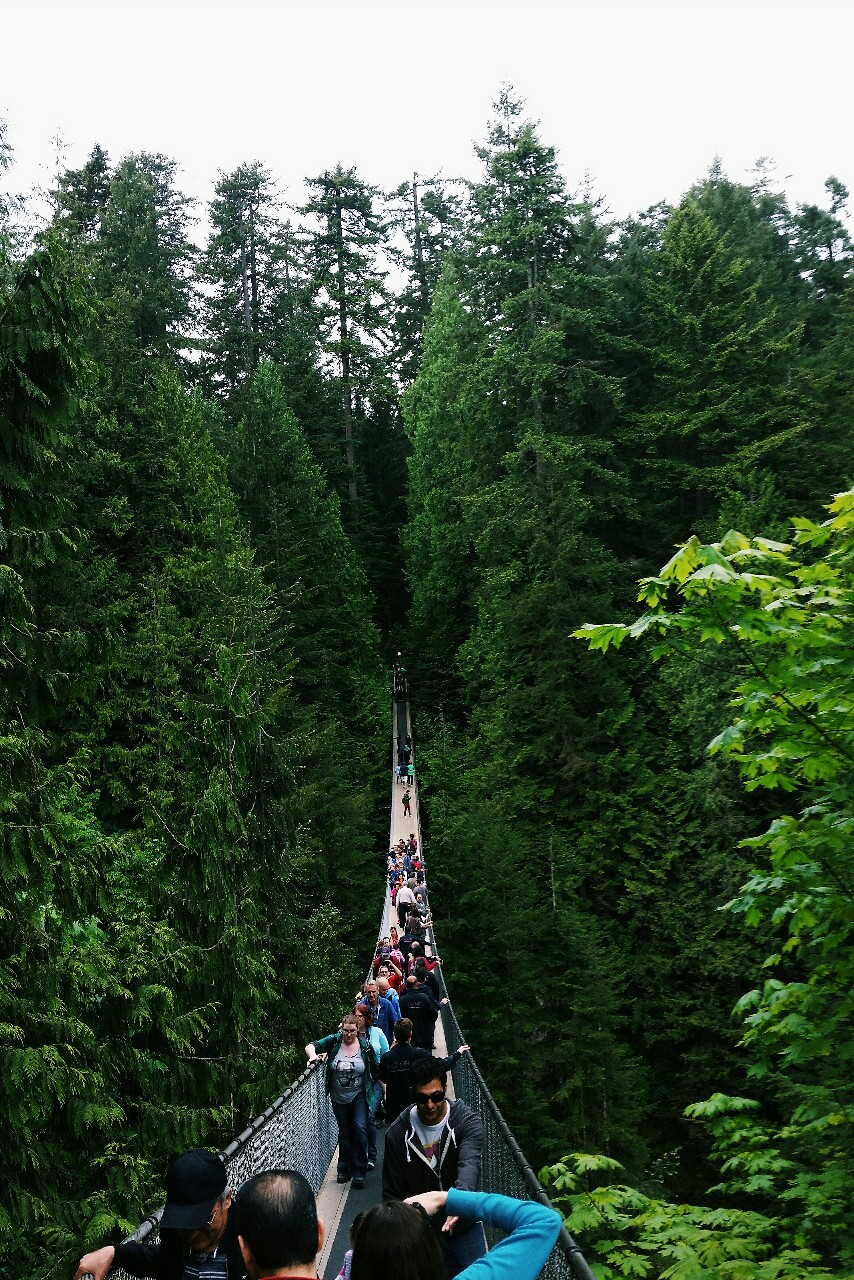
(460, 1251)
(372, 1124)
(352, 1120)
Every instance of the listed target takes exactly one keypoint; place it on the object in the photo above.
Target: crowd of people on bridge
(381, 1068)
(269, 1229)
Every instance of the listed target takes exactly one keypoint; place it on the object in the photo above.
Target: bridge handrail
(297, 1131)
(470, 1085)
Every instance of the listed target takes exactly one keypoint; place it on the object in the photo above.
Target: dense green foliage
(587, 396)
(786, 615)
(193, 711)
(461, 419)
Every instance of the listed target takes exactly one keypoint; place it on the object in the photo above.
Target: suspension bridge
(298, 1130)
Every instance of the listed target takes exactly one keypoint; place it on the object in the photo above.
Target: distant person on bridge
(351, 1073)
(422, 1008)
(413, 937)
(405, 899)
(381, 1008)
(198, 1218)
(387, 991)
(380, 1046)
(417, 957)
(415, 926)
(278, 1228)
(407, 801)
(389, 956)
(433, 1146)
(396, 1064)
(427, 978)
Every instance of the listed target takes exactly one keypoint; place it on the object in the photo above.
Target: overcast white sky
(642, 93)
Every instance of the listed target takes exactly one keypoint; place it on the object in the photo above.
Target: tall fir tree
(347, 246)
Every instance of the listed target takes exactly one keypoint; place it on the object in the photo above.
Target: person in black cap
(198, 1233)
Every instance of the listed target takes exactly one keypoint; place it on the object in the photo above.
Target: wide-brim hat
(194, 1183)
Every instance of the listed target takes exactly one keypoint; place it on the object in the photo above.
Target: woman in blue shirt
(394, 1241)
(379, 1043)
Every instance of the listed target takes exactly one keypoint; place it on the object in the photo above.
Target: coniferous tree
(345, 251)
(512, 418)
(347, 245)
(428, 218)
(719, 415)
(244, 267)
(326, 608)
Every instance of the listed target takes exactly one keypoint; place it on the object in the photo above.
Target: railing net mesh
(503, 1166)
(298, 1131)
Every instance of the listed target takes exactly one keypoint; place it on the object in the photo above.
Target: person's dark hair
(403, 1030)
(396, 1242)
(423, 1070)
(421, 971)
(367, 1013)
(353, 1229)
(415, 949)
(276, 1214)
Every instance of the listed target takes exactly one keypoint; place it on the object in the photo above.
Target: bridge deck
(338, 1204)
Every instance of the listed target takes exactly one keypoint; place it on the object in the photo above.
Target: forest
(238, 471)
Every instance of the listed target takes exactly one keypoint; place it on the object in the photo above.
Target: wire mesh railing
(504, 1168)
(298, 1130)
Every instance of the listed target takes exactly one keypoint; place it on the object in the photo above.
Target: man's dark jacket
(394, 1073)
(422, 1008)
(165, 1261)
(407, 1173)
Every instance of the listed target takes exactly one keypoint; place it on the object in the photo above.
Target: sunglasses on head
(423, 1098)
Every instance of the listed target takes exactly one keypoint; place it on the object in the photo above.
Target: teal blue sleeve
(532, 1230)
(382, 1041)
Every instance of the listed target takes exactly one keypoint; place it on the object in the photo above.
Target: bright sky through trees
(640, 93)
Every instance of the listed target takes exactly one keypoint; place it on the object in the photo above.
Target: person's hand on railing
(312, 1055)
(95, 1264)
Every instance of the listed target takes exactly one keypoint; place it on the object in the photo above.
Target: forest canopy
(461, 420)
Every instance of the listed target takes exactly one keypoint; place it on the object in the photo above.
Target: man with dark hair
(395, 1068)
(418, 1003)
(278, 1230)
(196, 1230)
(426, 978)
(433, 1146)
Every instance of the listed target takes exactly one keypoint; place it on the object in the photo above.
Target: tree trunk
(346, 383)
